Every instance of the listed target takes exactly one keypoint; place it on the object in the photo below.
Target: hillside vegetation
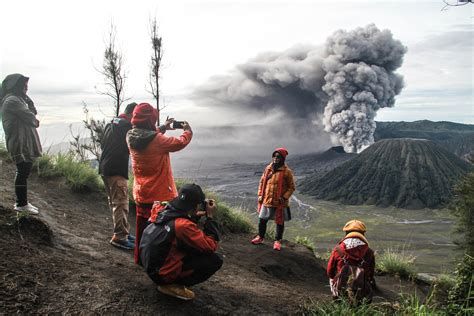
(406, 173)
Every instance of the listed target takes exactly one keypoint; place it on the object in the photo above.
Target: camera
(178, 124)
(203, 205)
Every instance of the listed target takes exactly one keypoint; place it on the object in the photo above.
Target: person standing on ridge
(113, 168)
(274, 191)
(21, 136)
(150, 154)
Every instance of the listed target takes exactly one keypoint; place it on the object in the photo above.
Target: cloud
(341, 84)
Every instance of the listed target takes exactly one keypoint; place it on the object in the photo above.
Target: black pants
(23, 170)
(262, 229)
(203, 267)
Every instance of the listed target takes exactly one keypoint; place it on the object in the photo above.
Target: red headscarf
(145, 116)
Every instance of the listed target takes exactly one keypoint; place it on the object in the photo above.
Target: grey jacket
(19, 124)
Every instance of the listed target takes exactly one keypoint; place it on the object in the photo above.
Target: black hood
(139, 138)
(13, 82)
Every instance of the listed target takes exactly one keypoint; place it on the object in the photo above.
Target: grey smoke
(342, 84)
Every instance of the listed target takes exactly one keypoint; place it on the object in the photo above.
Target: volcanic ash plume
(342, 84)
(360, 79)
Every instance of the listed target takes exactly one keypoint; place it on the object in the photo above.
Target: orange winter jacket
(149, 153)
(270, 198)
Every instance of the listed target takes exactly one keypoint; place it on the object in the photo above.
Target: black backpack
(351, 281)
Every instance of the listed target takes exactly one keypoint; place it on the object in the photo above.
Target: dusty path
(76, 271)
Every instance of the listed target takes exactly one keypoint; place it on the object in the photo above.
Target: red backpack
(351, 281)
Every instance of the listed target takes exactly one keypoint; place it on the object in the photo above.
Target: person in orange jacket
(274, 191)
(174, 251)
(354, 247)
(150, 155)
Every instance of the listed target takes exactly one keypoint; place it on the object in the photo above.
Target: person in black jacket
(174, 251)
(113, 167)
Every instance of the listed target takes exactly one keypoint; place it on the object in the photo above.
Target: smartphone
(178, 124)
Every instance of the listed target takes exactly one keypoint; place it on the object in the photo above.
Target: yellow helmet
(354, 225)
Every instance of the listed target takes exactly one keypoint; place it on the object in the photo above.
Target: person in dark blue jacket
(113, 167)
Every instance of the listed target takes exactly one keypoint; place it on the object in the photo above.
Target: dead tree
(81, 148)
(155, 65)
(113, 71)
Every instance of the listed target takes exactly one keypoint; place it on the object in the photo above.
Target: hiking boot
(257, 240)
(176, 290)
(124, 244)
(131, 238)
(277, 245)
(26, 208)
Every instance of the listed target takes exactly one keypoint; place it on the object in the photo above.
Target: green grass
(323, 255)
(305, 241)
(79, 176)
(396, 263)
(230, 219)
(445, 281)
(407, 305)
(46, 167)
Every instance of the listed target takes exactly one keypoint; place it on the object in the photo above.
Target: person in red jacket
(355, 247)
(150, 155)
(174, 251)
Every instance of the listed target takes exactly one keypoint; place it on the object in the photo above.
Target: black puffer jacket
(114, 158)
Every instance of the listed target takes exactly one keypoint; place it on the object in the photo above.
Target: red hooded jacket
(355, 248)
(150, 156)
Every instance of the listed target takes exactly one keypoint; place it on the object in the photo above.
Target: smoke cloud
(341, 84)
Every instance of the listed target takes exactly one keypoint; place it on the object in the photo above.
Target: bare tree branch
(457, 4)
(113, 71)
(155, 64)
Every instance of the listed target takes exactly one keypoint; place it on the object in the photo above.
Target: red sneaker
(277, 245)
(257, 240)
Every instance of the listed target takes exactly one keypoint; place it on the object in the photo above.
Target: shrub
(461, 295)
(463, 207)
(305, 241)
(79, 175)
(46, 167)
(396, 263)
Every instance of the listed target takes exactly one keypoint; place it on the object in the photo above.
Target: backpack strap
(341, 253)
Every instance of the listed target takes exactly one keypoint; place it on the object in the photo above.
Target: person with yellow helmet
(352, 256)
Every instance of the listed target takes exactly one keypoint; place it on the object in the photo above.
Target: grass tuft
(305, 241)
(396, 263)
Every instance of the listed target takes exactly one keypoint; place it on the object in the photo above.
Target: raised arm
(14, 107)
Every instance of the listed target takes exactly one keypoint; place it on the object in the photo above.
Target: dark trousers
(23, 170)
(140, 226)
(198, 268)
(262, 229)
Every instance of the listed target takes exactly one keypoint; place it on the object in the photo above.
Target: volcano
(406, 173)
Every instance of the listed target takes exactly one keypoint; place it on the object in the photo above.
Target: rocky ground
(61, 262)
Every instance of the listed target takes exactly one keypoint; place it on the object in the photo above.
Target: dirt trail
(61, 262)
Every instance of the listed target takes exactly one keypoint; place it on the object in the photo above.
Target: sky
(60, 45)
